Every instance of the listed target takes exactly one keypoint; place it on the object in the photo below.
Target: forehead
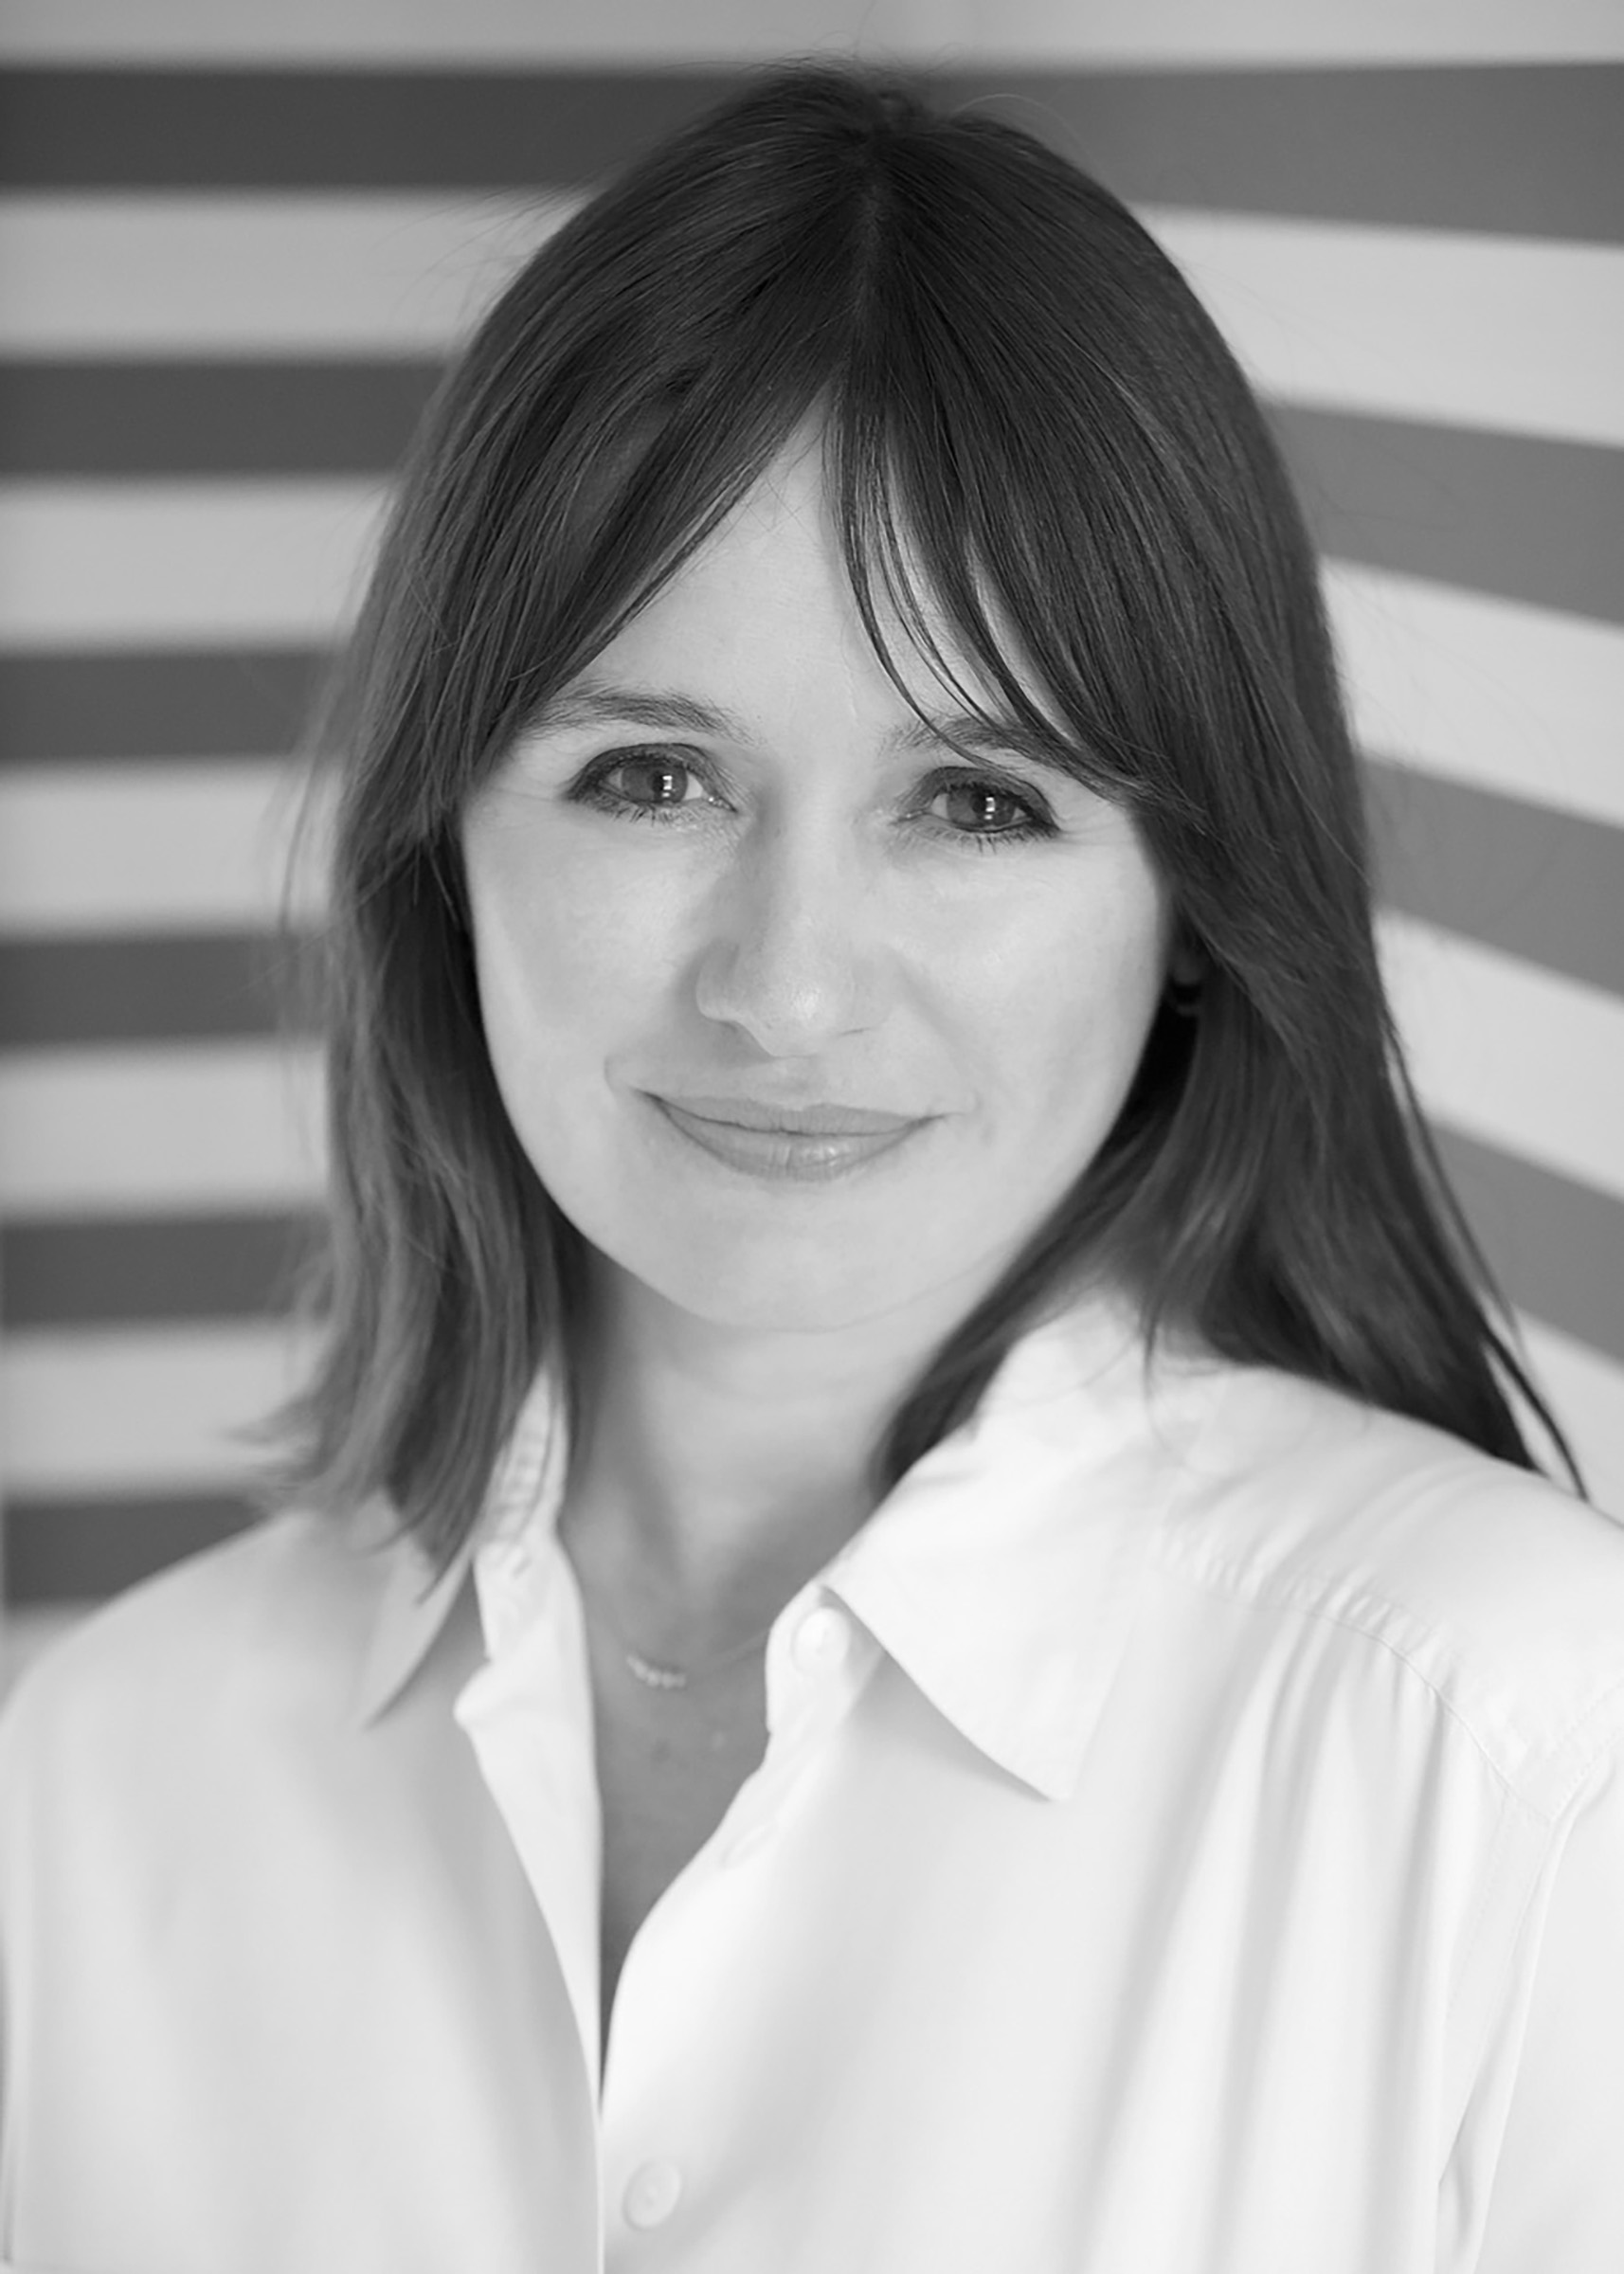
(765, 612)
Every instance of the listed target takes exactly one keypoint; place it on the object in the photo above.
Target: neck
(720, 1468)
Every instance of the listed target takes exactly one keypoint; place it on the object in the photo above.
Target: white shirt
(1190, 1841)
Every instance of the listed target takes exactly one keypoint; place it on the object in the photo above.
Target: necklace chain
(656, 1675)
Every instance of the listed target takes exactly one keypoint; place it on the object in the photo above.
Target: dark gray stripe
(129, 1271)
(1526, 519)
(336, 128)
(1529, 149)
(1556, 1247)
(81, 1551)
(168, 419)
(188, 987)
(252, 705)
(1539, 884)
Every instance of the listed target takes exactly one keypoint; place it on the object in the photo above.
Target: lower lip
(780, 1157)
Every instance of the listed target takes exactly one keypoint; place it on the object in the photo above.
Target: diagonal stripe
(1534, 883)
(82, 1551)
(157, 848)
(1555, 1248)
(193, 987)
(232, 703)
(87, 420)
(1508, 1055)
(1509, 334)
(1504, 513)
(200, 1129)
(1514, 699)
(160, 1268)
(181, 563)
(175, 275)
(140, 1409)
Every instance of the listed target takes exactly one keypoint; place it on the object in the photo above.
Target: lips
(779, 1153)
(821, 1119)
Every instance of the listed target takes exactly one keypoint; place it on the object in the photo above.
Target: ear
(1186, 966)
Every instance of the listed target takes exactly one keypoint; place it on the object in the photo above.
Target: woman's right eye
(655, 787)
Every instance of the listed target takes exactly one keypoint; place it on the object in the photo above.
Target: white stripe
(1503, 1050)
(1505, 333)
(1510, 699)
(154, 847)
(188, 563)
(629, 32)
(159, 1131)
(1585, 1391)
(1473, 329)
(140, 1409)
(241, 274)
(633, 31)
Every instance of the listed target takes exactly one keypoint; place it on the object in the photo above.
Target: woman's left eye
(982, 802)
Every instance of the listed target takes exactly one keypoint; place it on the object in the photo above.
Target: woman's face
(729, 868)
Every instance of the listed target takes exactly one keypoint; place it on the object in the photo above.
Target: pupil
(664, 775)
(984, 801)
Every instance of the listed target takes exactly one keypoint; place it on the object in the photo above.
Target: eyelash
(589, 790)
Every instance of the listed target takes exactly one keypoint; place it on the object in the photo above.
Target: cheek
(564, 950)
(1060, 1005)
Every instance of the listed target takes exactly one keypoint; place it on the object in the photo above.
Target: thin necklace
(655, 1676)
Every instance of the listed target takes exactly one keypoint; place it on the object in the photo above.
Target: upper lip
(815, 1120)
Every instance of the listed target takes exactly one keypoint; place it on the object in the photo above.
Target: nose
(792, 957)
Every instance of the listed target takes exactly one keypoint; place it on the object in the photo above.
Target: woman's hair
(1027, 420)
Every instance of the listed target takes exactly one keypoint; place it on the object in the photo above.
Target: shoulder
(1500, 1591)
(269, 1625)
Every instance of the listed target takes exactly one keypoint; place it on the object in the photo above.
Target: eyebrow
(597, 705)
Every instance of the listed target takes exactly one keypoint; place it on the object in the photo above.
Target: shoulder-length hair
(1029, 419)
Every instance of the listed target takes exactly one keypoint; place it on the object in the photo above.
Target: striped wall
(232, 254)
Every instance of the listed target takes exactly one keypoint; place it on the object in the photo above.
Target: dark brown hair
(1022, 404)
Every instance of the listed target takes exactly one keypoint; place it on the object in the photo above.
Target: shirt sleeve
(1557, 2195)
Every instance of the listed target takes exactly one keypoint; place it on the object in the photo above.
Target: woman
(919, 1634)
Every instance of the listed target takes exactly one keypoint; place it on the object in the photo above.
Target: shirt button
(652, 2194)
(822, 1640)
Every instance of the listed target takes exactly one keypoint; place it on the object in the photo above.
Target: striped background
(232, 254)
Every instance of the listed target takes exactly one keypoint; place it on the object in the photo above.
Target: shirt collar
(1000, 1573)
(416, 1602)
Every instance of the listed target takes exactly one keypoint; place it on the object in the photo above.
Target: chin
(762, 1287)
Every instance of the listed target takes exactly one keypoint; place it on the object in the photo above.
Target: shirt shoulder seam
(1300, 1594)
